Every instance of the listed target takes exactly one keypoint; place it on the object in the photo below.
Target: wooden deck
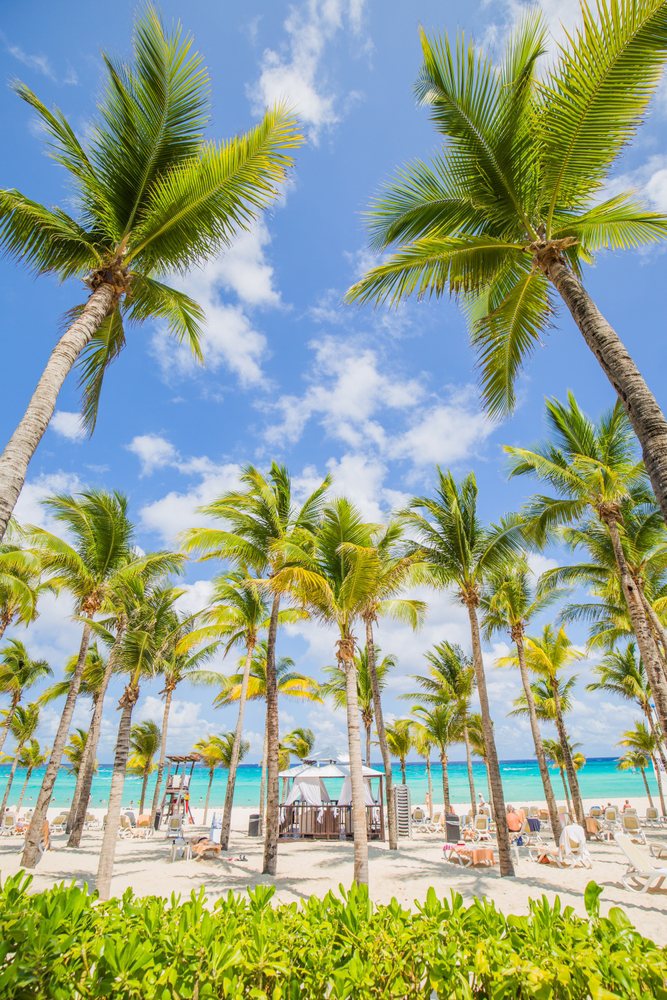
(327, 822)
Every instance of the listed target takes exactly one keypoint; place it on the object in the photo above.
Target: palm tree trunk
(10, 782)
(143, 792)
(429, 785)
(108, 850)
(382, 737)
(488, 782)
(660, 748)
(208, 794)
(403, 775)
(90, 753)
(445, 783)
(25, 785)
(236, 751)
(640, 404)
(368, 744)
(345, 657)
(658, 628)
(471, 779)
(7, 723)
(23, 443)
(640, 625)
(272, 748)
(163, 750)
(537, 737)
(658, 778)
(29, 856)
(567, 794)
(495, 783)
(80, 778)
(567, 757)
(648, 790)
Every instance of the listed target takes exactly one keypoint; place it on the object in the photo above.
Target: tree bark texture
(345, 656)
(262, 782)
(537, 739)
(445, 782)
(142, 797)
(270, 865)
(23, 443)
(471, 779)
(236, 752)
(495, 783)
(163, 750)
(368, 744)
(80, 778)
(658, 741)
(429, 785)
(10, 782)
(648, 790)
(573, 781)
(25, 785)
(658, 778)
(640, 624)
(108, 850)
(640, 404)
(208, 794)
(29, 856)
(7, 723)
(382, 737)
(567, 794)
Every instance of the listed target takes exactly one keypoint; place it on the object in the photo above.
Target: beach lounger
(533, 812)
(435, 825)
(125, 828)
(59, 823)
(175, 827)
(9, 825)
(658, 850)
(419, 821)
(630, 824)
(202, 848)
(481, 828)
(642, 874)
(571, 851)
(652, 817)
(528, 837)
(595, 812)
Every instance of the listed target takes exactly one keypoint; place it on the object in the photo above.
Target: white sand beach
(306, 868)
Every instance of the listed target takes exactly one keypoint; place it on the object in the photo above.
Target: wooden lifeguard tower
(176, 798)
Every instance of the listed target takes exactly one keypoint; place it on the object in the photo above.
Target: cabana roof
(183, 758)
(331, 754)
(330, 770)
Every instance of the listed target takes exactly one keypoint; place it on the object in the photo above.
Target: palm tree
(554, 751)
(23, 724)
(478, 746)
(451, 676)
(509, 604)
(31, 756)
(636, 760)
(459, 552)
(20, 585)
(641, 740)
(443, 724)
(592, 468)
(299, 742)
(259, 520)
(514, 204)
(96, 562)
(212, 751)
(18, 673)
(336, 688)
(154, 197)
(400, 742)
(75, 750)
(423, 743)
(288, 682)
(547, 656)
(144, 744)
(145, 641)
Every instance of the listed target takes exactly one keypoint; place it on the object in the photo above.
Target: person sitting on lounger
(513, 820)
(626, 806)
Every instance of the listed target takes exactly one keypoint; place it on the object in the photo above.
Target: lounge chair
(642, 873)
(125, 828)
(571, 851)
(630, 824)
(658, 850)
(481, 828)
(533, 812)
(435, 825)
(595, 812)
(59, 823)
(652, 817)
(174, 827)
(204, 847)
(418, 820)
(529, 837)
(611, 816)
(91, 822)
(9, 825)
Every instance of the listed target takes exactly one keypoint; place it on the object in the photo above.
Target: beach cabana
(310, 812)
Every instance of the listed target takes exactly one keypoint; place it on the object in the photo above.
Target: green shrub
(64, 944)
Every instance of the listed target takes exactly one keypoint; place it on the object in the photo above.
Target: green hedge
(63, 944)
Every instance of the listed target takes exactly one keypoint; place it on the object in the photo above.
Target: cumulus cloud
(294, 72)
(29, 509)
(68, 425)
(153, 452)
(169, 515)
(186, 723)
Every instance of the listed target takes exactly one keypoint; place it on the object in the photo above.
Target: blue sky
(375, 398)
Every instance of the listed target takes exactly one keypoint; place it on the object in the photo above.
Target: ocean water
(599, 780)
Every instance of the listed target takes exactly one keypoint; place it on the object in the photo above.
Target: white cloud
(40, 64)
(244, 270)
(29, 509)
(445, 433)
(186, 723)
(295, 73)
(176, 511)
(68, 425)
(153, 452)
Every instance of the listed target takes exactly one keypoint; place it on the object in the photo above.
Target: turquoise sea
(599, 780)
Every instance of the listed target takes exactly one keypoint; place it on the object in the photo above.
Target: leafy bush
(64, 944)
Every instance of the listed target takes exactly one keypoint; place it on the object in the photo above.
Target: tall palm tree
(288, 682)
(146, 639)
(333, 576)
(31, 756)
(554, 751)
(461, 553)
(509, 604)
(478, 746)
(400, 742)
(642, 741)
(592, 469)
(547, 656)
(443, 724)
(144, 744)
(337, 689)
(451, 676)
(88, 568)
(635, 760)
(513, 205)
(424, 743)
(214, 751)
(23, 724)
(153, 197)
(258, 521)
(18, 673)
(75, 750)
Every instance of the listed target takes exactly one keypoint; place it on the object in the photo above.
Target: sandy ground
(305, 868)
